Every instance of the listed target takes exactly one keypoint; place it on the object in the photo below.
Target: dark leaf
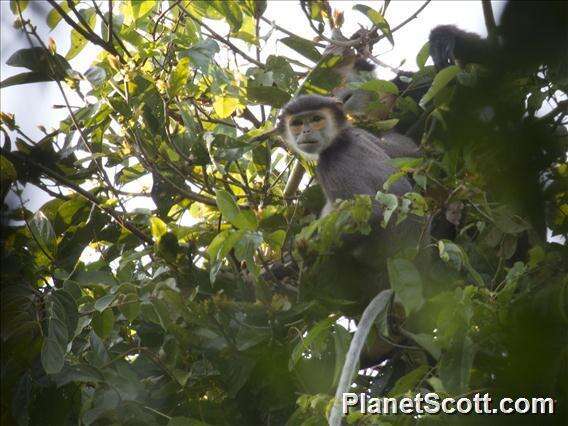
(304, 47)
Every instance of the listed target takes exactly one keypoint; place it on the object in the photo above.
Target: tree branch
(93, 38)
(66, 182)
(224, 40)
(489, 19)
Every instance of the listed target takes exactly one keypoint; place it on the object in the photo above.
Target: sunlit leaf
(158, 227)
(224, 106)
(17, 6)
(78, 42)
(377, 19)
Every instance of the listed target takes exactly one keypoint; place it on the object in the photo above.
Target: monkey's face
(311, 132)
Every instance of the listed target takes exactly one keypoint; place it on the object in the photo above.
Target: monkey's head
(310, 123)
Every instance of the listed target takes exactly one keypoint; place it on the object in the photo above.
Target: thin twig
(90, 197)
(224, 40)
(93, 38)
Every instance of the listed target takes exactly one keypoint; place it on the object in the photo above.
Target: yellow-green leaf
(224, 106)
(157, 227)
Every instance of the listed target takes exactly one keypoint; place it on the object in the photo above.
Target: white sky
(32, 103)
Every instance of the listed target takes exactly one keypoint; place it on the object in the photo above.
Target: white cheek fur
(330, 133)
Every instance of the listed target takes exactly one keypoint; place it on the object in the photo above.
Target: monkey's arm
(449, 44)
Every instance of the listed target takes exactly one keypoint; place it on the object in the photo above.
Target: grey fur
(355, 164)
(394, 144)
(351, 161)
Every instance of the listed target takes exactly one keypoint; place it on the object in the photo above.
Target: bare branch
(489, 18)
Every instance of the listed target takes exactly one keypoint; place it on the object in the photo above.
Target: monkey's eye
(296, 122)
(317, 118)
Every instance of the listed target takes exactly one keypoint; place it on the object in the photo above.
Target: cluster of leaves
(174, 314)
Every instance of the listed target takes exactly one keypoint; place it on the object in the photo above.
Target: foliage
(179, 316)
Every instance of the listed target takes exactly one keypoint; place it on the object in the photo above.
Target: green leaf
(246, 220)
(456, 363)
(385, 125)
(276, 239)
(304, 47)
(8, 172)
(377, 19)
(226, 204)
(52, 355)
(71, 315)
(103, 323)
(129, 174)
(41, 61)
(255, 7)
(96, 75)
(247, 31)
(130, 306)
(379, 86)
(282, 73)
(318, 332)
(423, 55)
(25, 78)
(43, 233)
(201, 54)
(78, 42)
(219, 248)
(451, 253)
(81, 373)
(456, 257)
(408, 382)
(245, 249)
(224, 105)
(406, 282)
(440, 81)
(216, 244)
(142, 8)
(117, 22)
(390, 203)
(240, 219)
(18, 4)
(231, 11)
(268, 95)
(427, 342)
(53, 17)
(104, 302)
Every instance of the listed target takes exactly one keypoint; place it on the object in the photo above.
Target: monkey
(350, 162)
(529, 34)
(367, 107)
